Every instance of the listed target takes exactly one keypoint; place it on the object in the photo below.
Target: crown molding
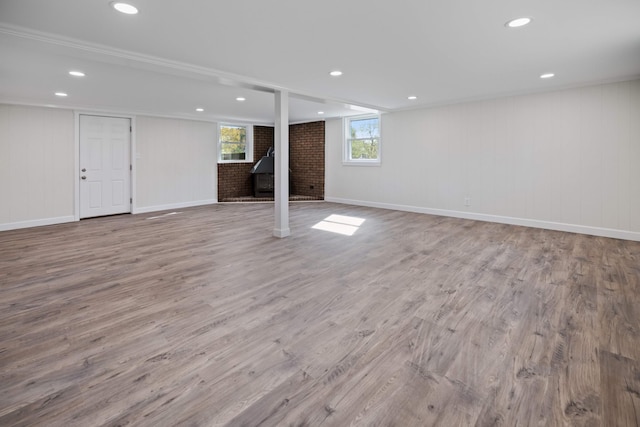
(138, 113)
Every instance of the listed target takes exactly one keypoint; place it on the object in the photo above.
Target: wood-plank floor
(201, 318)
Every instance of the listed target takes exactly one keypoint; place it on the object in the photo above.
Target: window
(362, 140)
(235, 143)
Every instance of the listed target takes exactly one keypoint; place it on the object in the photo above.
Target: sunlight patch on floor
(164, 215)
(340, 224)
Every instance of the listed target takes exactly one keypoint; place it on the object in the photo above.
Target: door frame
(76, 172)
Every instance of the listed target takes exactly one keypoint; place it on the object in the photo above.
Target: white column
(281, 195)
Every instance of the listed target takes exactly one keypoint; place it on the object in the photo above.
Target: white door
(105, 171)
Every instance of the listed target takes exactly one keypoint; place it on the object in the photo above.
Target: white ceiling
(175, 56)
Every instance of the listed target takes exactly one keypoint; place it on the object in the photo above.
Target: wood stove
(263, 178)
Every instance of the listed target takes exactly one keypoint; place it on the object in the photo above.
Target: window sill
(224, 162)
(361, 163)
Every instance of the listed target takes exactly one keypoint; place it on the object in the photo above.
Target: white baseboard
(36, 223)
(549, 225)
(147, 209)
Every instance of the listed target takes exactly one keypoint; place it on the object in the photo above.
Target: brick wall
(234, 179)
(306, 161)
(262, 140)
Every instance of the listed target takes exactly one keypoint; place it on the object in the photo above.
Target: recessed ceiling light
(199, 110)
(125, 8)
(518, 22)
(241, 99)
(61, 94)
(335, 73)
(320, 112)
(412, 97)
(76, 73)
(547, 75)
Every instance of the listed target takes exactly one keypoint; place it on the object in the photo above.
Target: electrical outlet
(467, 201)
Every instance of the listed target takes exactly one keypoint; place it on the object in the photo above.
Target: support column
(281, 195)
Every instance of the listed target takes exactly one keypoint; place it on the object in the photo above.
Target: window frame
(346, 142)
(248, 143)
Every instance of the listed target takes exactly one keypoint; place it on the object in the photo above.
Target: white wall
(36, 166)
(567, 160)
(176, 163)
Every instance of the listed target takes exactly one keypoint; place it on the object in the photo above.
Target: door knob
(83, 177)
(84, 169)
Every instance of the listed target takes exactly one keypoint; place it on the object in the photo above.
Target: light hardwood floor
(201, 318)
